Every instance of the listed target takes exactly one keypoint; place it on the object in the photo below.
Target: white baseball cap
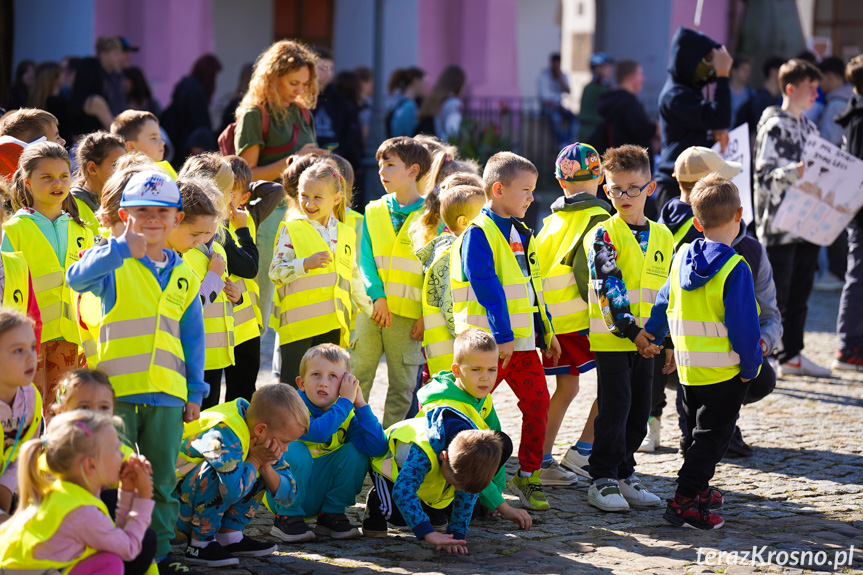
(151, 188)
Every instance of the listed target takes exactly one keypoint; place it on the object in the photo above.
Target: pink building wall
(714, 18)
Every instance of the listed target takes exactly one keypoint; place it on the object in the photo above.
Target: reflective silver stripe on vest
(306, 283)
(51, 312)
(309, 311)
(434, 320)
(253, 297)
(697, 328)
(460, 294)
(141, 363)
(558, 282)
(633, 295)
(48, 281)
(404, 291)
(705, 358)
(439, 348)
(598, 325)
(244, 315)
(215, 310)
(514, 291)
(410, 265)
(649, 295)
(219, 340)
(137, 327)
(565, 308)
(90, 347)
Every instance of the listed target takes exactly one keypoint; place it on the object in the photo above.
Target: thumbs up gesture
(136, 242)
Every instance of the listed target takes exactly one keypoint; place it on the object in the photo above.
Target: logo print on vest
(658, 257)
(183, 284)
(17, 296)
(80, 242)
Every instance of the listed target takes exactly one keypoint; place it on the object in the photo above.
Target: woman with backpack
(406, 87)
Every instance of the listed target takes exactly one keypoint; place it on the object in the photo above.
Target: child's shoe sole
(524, 500)
(323, 531)
(679, 521)
(287, 538)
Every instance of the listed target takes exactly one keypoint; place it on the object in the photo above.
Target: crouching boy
(331, 460)
(229, 458)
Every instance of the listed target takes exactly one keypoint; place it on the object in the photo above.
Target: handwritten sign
(738, 150)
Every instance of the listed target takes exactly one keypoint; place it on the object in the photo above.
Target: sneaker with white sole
(575, 462)
(802, 365)
(849, 360)
(211, 555)
(637, 494)
(292, 530)
(556, 475)
(651, 441)
(248, 547)
(605, 494)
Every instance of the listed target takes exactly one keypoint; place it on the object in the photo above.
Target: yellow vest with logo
(354, 219)
(561, 233)
(477, 417)
(16, 288)
(225, 413)
(49, 275)
(437, 340)
(218, 316)
(399, 269)
(247, 315)
(467, 310)
(320, 301)
(139, 338)
(337, 440)
(643, 275)
(681, 232)
(10, 454)
(86, 215)
(696, 322)
(89, 312)
(434, 490)
(26, 530)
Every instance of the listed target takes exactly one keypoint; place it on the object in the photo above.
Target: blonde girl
(61, 522)
(315, 271)
(96, 155)
(46, 229)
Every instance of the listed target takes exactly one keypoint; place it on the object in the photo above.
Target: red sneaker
(711, 498)
(849, 360)
(691, 514)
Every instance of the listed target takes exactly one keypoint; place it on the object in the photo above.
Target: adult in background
(624, 119)
(686, 117)
(45, 94)
(230, 111)
(738, 82)
(98, 93)
(766, 96)
(138, 93)
(187, 118)
(551, 86)
(19, 92)
(440, 112)
(407, 86)
(284, 87)
(601, 69)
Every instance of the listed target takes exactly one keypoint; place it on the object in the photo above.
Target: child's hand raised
(349, 387)
(446, 542)
(217, 264)
(233, 291)
(318, 260)
(136, 242)
(360, 401)
(239, 217)
(264, 453)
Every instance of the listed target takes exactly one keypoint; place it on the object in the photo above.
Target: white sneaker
(801, 365)
(554, 474)
(636, 494)
(605, 494)
(575, 462)
(651, 441)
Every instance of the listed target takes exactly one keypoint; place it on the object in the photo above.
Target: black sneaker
(292, 530)
(691, 514)
(336, 525)
(738, 447)
(213, 555)
(171, 566)
(375, 527)
(248, 547)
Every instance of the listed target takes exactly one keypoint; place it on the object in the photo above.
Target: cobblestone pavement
(801, 491)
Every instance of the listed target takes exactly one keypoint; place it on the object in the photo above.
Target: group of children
(149, 282)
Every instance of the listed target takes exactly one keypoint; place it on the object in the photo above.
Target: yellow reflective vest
(139, 345)
(49, 275)
(467, 310)
(226, 413)
(681, 232)
(477, 417)
(16, 288)
(25, 531)
(10, 454)
(320, 301)
(337, 440)
(354, 219)
(218, 316)
(398, 268)
(643, 275)
(437, 340)
(247, 314)
(561, 233)
(696, 322)
(86, 215)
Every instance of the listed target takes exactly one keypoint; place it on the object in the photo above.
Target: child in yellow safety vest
(314, 270)
(393, 278)
(230, 459)
(628, 257)
(20, 401)
(95, 156)
(47, 231)
(61, 523)
(709, 304)
(331, 459)
(16, 286)
(563, 260)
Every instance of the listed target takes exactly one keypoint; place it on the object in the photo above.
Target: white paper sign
(823, 202)
(738, 150)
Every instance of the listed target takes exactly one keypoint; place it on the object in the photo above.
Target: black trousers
(711, 413)
(292, 354)
(240, 378)
(623, 392)
(140, 564)
(661, 382)
(794, 268)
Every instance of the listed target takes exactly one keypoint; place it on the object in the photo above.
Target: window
(842, 22)
(308, 20)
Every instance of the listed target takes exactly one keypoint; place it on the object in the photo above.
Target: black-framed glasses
(632, 192)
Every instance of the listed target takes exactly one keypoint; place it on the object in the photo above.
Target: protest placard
(738, 150)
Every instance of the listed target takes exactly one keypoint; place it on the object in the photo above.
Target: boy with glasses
(628, 257)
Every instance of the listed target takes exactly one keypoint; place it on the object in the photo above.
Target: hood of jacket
(853, 109)
(578, 202)
(675, 213)
(612, 102)
(688, 47)
(701, 262)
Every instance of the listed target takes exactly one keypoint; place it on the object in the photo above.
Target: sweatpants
(526, 377)
(326, 484)
(848, 324)
(404, 359)
(711, 413)
(623, 388)
(793, 273)
(157, 431)
(292, 354)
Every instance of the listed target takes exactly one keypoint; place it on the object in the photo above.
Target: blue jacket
(699, 264)
(364, 431)
(94, 273)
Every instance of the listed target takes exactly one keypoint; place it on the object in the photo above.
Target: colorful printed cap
(151, 188)
(577, 163)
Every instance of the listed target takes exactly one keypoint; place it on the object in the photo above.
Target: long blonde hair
(327, 171)
(281, 58)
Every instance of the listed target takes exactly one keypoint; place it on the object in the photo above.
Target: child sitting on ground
(229, 459)
(331, 460)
